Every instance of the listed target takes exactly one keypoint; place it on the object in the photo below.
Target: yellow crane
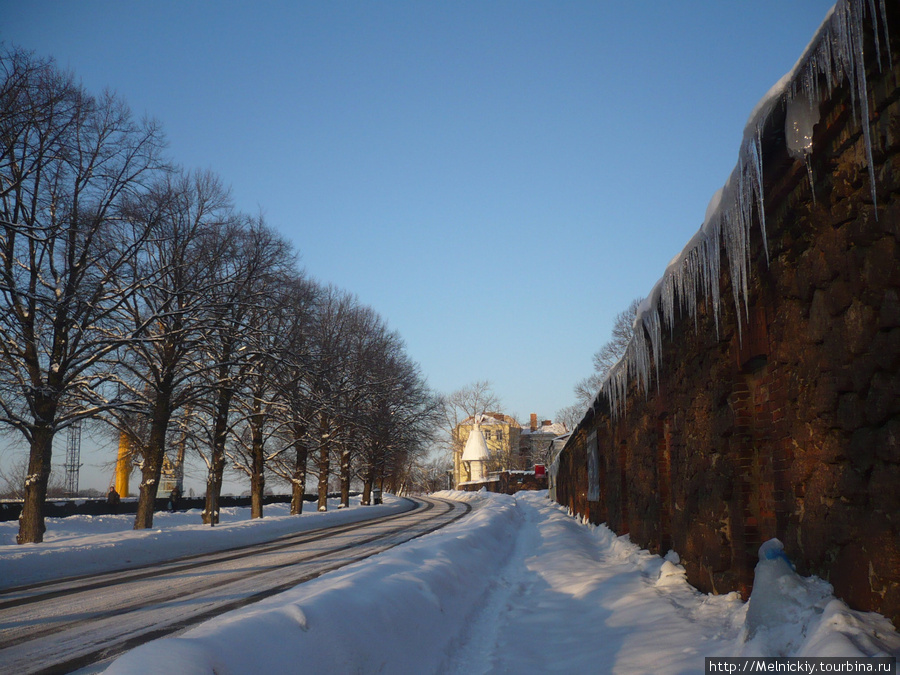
(123, 465)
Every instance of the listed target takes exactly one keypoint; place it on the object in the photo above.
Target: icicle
(651, 323)
(812, 182)
(758, 182)
(802, 115)
(887, 37)
(860, 75)
(695, 274)
(874, 15)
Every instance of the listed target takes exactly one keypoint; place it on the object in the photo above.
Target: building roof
(557, 429)
(476, 447)
(488, 418)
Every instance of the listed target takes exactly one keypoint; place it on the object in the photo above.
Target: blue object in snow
(775, 553)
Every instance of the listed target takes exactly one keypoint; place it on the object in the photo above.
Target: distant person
(113, 499)
(174, 496)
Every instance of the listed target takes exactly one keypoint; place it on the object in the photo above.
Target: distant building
(509, 446)
(475, 455)
(167, 478)
(535, 442)
(501, 437)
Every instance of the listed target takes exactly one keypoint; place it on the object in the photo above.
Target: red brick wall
(791, 430)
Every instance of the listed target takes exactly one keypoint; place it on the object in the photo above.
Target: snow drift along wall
(761, 395)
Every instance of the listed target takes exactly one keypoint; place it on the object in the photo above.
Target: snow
(92, 544)
(489, 419)
(557, 429)
(476, 449)
(486, 479)
(835, 54)
(517, 586)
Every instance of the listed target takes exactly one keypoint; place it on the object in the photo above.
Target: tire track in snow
(475, 651)
(72, 630)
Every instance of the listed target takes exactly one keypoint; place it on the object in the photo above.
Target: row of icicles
(835, 56)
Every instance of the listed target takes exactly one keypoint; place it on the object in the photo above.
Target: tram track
(63, 625)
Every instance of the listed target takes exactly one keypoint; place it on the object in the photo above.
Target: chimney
(546, 423)
(534, 421)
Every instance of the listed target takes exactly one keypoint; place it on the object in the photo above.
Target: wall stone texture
(790, 429)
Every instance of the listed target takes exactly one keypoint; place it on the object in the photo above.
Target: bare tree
(414, 418)
(173, 308)
(429, 475)
(259, 406)
(395, 421)
(607, 356)
(294, 381)
(570, 415)
(372, 347)
(329, 375)
(68, 164)
(14, 477)
(474, 399)
(252, 260)
(623, 330)
(586, 389)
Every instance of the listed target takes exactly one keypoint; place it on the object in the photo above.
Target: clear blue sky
(497, 179)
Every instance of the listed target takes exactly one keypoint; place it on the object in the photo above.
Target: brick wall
(792, 429)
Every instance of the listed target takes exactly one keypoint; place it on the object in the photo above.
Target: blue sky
(497, 179)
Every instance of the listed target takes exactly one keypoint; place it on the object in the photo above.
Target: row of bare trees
(134, 292)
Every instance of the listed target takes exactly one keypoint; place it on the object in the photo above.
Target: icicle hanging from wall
(835, 54)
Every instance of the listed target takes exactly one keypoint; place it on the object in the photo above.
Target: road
(64, 625)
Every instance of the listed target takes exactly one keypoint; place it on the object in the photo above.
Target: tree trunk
(379, 477)
(324, 464)
(210, 513)
(214, 479)
(298, 481)
(257, 466)
(345, 476)
(31, 520)
(368, 483)
(150, 472)
(151, 467)
(366, 499)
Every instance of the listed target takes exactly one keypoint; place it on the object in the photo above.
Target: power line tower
(73, 459)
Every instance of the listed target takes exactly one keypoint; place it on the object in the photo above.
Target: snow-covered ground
(91, 544)
(517, 586)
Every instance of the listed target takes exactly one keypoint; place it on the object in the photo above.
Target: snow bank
(787, 614)
(520, 586)
(391, 613)
(636, 613)
(791, 615)
(80, 545)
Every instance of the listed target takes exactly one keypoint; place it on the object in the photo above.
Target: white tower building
(476, 454)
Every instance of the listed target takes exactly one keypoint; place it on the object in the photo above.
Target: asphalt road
(65, 625)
